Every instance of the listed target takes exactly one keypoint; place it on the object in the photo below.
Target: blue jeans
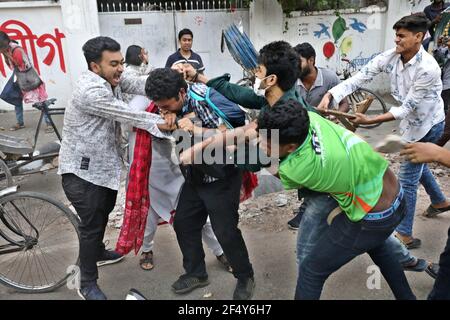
(343, 241)
(313, 223)
(400, 251)
(19, 113)
(441, 288)
(411, 174)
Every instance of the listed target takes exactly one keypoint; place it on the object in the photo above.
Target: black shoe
(224, 261)
(419, 266)
(91, 292)
(244, 289)
(432, 270)
(294, 223)
(186, 284)
(109, 257)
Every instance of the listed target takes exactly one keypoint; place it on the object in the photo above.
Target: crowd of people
(351, 201)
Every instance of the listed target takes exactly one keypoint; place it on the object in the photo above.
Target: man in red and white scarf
(153, 190)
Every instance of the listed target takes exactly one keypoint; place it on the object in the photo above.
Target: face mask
(257, 87)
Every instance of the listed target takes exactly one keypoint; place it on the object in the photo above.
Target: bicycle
(39, 241)
(362, 100)
(16, 153)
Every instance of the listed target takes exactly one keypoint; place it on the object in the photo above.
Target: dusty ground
(270, 243)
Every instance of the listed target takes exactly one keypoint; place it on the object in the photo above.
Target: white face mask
(257, 87)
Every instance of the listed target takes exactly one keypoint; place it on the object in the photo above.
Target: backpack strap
(219, 112)
(214, 108)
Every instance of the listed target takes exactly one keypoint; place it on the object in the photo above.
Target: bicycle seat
(46, 103)
(14, 145)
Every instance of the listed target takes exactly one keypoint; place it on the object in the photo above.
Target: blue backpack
(230, 112)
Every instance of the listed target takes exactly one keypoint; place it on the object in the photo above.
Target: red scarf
(137, 201)
(249, 183)
(137, 197)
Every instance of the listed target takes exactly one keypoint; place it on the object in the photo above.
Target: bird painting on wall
(358, 25)
(323, 31)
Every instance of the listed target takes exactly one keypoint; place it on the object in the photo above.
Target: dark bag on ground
(11, 92)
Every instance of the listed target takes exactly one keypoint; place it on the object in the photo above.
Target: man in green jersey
(322, 156)
(276, 76)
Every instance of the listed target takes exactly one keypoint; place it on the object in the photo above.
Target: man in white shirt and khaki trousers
(415, 79)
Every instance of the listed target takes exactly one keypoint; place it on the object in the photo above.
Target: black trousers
(441, 288)
(219, 200)
(446, 97)
(93, 204)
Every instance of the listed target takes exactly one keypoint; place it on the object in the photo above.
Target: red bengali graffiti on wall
(20, 32)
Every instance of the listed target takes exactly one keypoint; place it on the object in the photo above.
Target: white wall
(79, 21)
(268, 23)
(30, 22)
(158, 33)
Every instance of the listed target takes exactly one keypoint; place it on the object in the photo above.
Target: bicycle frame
(24, 244)
(45, 111)
(27, 240)
(48, 112)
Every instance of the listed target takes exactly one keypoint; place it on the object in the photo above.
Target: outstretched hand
(322, 107)
(421, 152)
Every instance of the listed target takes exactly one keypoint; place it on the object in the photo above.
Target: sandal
(146, 261)
(49, 129)
(432, 270)
(413, 244)
(432, 212)
(419, 266)
(17, 127)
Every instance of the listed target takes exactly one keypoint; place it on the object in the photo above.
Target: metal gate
(155, 26)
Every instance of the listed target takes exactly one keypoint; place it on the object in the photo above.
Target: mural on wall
(338, 37)
(358, 25)
(322, 31)
(19, 31)
(339, 42)
(303, 30)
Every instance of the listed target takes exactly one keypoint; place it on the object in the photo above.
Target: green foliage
(310, 5)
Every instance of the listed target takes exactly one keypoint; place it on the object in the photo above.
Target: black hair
(164, 83)
(93, 49)
(414, 23)
(280, 59)
(133, 55)
(305, 50)
(184, 32)
(5, 40)
(290, 118)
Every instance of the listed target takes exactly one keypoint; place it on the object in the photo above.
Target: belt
(388, 212)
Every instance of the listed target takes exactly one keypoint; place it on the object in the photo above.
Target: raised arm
(99, 101)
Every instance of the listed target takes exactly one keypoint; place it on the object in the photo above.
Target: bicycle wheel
(377, 106)
(45, 234)
(5, 176)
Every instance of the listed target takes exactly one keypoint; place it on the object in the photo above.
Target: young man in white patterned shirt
(90, 156)
(415, 79)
